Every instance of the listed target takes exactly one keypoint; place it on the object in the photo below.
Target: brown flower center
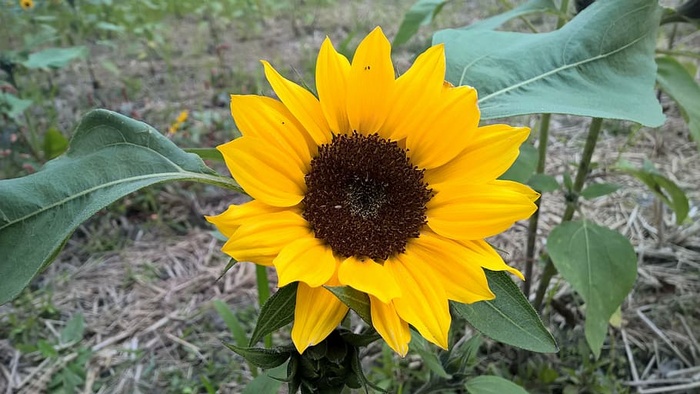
(364, 197)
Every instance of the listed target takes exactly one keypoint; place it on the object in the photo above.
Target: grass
(143, 273)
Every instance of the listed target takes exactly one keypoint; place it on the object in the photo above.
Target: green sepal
(277, 312)
(262, 357)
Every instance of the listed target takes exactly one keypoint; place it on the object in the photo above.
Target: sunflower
(26, 4)
(387, 185)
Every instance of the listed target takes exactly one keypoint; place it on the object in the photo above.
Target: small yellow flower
(179, 121)
(387, 185)
(26, 4)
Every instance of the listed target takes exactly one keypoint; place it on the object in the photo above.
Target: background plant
(562, 181)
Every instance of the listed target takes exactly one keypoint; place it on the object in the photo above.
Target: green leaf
(12, 105)
(662, 187)
(599, 65)
(489, 384)
(74, 329)
(46, 349)
(277, 312)
(675, 80)
(54, 144)
(427, 355)
(232, 322)
(527, 8)
(524, 165)
(206, 153)
(54, 57)
(600, 264)
(109, 157)
(599, 189)
(269, 381)
(360, 340)
(421, 13)
(106, 26)
(543, 183)
(261, 357)
(508, 318)
(355, 300)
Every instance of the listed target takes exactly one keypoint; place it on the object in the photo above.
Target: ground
(143, 273)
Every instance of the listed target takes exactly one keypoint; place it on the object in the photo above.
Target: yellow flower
(179, 121)
(384, 184)
(26, 4)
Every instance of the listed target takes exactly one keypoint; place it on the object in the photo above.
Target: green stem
(534, 219)
(263, 293)
(582, 172)
(563, 12)
(678, 53)
(541, 160)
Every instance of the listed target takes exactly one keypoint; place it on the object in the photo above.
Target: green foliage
(355, 300)
(109, 157)
(12, 106)
(578, 69)
(508, 318)
(665, 189)
(528, 8)
(276, 313)
(675, 80)
(53, 58)
(599, 190)
(262, 357)
(421, 13)
(427, 354)
(524, 166)
(600, 264)
(269, 381)
(492, 385)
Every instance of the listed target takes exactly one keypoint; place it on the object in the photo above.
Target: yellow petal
(448, 131)
(305, 260)
(423, 302)
(478, 211)
(488, 155)
(332, 73)
(230, 220)
(265, 172)
(416, 93)
(369, 277)
(316, 314)
(262, 239)
(301, 103)
(488, 257)
(371, 83)
(268, 119)
(390, 326)
(456, 267)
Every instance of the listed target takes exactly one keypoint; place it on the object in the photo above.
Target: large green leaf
(420, 13)
(675, 80)
(54, 57)
(109, 157)
(508, 318)
(600, 64)
(527, 8)
(600, 264)
(489, 384)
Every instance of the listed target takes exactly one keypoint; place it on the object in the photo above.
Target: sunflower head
(26, 4)
(386, 185)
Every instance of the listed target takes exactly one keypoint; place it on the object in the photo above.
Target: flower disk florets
(364, 197)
